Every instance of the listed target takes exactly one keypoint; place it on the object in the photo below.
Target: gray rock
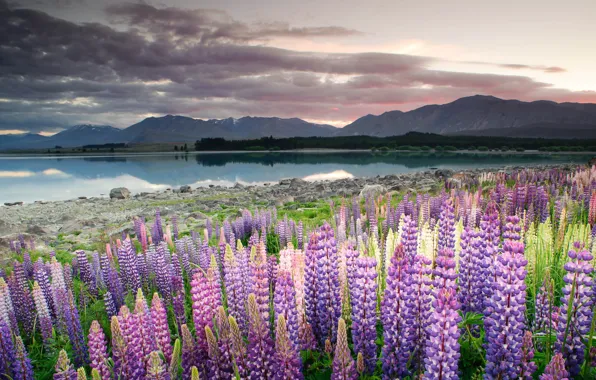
(372, 191)
(119, 193)
(185, 189)
(238, 186)
(444, 173)
(283, 200)
(13, 203)
(82, 197)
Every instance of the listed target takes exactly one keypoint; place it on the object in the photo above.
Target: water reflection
(33, 178)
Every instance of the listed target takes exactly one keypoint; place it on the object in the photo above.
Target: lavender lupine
(122, 365)
(98, 350)
(259, 279)
(260, 346)
(311, 291)
(417, 312)
(131, 333)
(41, 277)
(75, 331)
(7, 312)
(129, 271)
(110, 305)
(64, 370)
(555, 370)
(344, 367)
(364, 302)
(409, 239)
(163, 274)
(528, 367)
(219, 366)
(188, 352)
(329, 300)
(7, 350)
(505, 318)
(162, 331)
(394, 314)
(447, 226)
(21, 298)
(86, 273)
(442, 348)
(43, 314)
(285, 305)
(235, 291)
(576, 308)
(146, 326)
(238, 348)
(288, 363)
(21, 367)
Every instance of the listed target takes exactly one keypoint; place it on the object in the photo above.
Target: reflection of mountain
(183, 169)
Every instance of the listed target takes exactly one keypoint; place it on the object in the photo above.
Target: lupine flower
(576, 309)
(260, 346)
(505, 317)
(21, 298)
(287, 360)
(98, 350)
(235, 291)
(7, 350)
(163, 274)
(156, 369)
(528, 367)
(162, 331)
(131, 333)
(442, 348)
(447, 226)
(311, 293)
(109, 304)
(555, 370)
(364, 302)
(75, 331)
(43, 314)
(86, 273)
(329, 300)
(146, 326)
(64, 370)
(259, 279)
(344, 367)
(129, 271)
(7, 313)
(238, 349)
(21, 367)
(188, 352)
(41, 277)
(285, 305)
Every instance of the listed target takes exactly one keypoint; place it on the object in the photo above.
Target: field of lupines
(491, 280)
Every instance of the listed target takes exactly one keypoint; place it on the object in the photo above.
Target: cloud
(518, 66)
(203, 63)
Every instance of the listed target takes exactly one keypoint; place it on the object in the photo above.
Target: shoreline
(81, 222)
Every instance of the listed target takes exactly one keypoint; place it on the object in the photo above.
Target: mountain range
(475, 115)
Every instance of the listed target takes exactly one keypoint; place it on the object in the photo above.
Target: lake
(32, 178)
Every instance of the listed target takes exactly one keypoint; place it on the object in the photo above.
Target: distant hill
(475, 114)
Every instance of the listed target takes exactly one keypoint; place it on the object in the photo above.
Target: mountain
(86, 134)
(475, 114)
(23, 140)
(182, 129)
(552, 130)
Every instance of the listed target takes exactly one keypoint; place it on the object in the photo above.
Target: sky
(67, 62)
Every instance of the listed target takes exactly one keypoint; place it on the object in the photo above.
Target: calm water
(34, 178)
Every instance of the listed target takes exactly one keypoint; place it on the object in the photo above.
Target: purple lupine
(287, 361)
(98, 350)
(7, 312)
(544, 306)
(300, 234)
(131, 332)
(442, 348)
(110, 305)
(261, 353)
(156, 369)
(178, 301)
(311, 292)
(122, 366)
(505, 317)
(21, 298)
(163, 274)
(344, 367)
(512, 229)
(235, 291)
(175, 226)
(259, 279)
(27, 265)
(129, 271)
(146, 326)
(75, 331)
(162, 331)
(157, 230)
(445, 274)
(220, 352)
(7, 350)
(467, 270)
(364, 302)
(409, 239)
(188, 352)
(285, 305)
(417, 294)
(40, 275)
(64, 370)
(555, 370)
(21, 367)
(528, 367)
(329, 300)
(394, 314)
(238, 348)
(85, 272)
(447, 226)
(43, 314)
(111, 279)
(576, 308)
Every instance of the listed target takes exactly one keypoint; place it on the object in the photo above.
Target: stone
(444, 173)
(283, 200)
(13, 203)
(82, 197)
(119, 193)
(185, 189)
(372, 191)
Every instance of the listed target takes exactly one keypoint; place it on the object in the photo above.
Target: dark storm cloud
(204, 63)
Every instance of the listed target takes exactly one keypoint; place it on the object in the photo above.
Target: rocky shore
(82, 221)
